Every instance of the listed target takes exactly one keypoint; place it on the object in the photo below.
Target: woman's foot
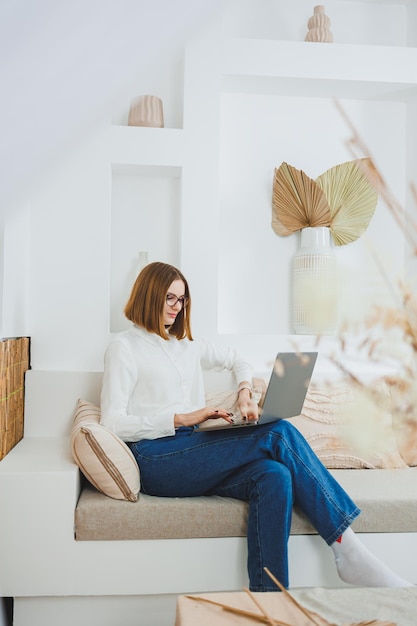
(356, 565)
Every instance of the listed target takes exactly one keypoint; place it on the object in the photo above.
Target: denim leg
(267, 487)
(316, 492)
(193, 463)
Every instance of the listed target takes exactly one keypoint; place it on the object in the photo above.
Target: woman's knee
(288, 432)
(284, 427)
(273, 478)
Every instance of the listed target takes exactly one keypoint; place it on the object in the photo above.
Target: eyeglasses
(172, 300)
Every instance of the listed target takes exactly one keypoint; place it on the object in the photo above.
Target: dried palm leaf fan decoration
(298, 201)
(342, 198)
(352, 200)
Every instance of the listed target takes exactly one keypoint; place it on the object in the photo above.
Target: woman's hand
(248, 409)
(199, 416)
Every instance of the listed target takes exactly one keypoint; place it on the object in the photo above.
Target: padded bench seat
(100, 580)
(387, 498)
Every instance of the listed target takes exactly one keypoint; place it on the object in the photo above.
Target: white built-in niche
(144, 228)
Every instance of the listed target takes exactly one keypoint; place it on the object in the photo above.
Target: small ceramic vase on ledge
(146, 111)
(318, 26)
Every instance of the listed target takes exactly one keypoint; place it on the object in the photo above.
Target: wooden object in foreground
(292, 613)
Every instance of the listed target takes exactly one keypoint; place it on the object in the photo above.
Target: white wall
(62, 61)
(72, 236)
(67, 67)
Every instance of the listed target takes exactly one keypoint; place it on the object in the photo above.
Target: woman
(153, 398)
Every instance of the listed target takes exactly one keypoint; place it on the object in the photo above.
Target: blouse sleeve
(221, 358)
(119, 380)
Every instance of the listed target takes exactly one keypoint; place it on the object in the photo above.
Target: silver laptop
(285, 394)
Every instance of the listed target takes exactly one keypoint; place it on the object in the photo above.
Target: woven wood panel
(14, 361)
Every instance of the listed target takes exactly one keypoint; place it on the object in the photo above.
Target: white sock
(356, 565)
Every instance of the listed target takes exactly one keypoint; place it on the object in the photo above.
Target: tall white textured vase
(315, 283)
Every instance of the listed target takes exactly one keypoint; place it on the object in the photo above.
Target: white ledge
(322, 68)
(144, 146)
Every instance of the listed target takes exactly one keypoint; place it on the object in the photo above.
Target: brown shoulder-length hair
(148, 297)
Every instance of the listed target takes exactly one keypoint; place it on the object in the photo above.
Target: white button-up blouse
(148, 379)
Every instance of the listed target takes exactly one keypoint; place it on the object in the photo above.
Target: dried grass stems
(358, 148)
(389, 332)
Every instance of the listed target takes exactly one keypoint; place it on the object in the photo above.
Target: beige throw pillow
(104, 459)
(347, 430)
(407, 442)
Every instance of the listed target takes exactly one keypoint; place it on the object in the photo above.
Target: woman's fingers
(215, 413)
(249, 411)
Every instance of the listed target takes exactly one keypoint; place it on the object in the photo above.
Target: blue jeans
(270, 466)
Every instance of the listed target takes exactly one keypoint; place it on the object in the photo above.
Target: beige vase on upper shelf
(319, 26)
